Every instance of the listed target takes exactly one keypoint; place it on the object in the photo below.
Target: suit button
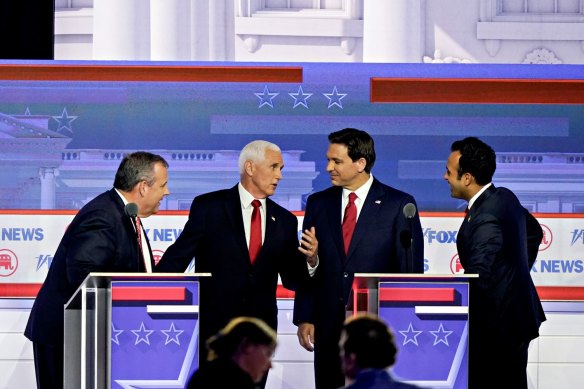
(345, 274)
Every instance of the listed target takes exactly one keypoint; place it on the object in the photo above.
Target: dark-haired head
(137, 167)
(476, 158)
(359, 144)
(366, 343)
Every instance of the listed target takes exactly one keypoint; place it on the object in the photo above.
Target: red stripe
(148, 293)
(417, 294)
(481, 91)
(150, 73)
(283, 293)
(19, 290)
(546, 293)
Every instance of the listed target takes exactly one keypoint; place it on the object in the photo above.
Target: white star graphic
(440, 335)
(115, 334)
(335, 98)
(300, 98)
(27, 112)
(410, 335)
(172, 334)
(65, 121)
(142, 335)
(266, 97)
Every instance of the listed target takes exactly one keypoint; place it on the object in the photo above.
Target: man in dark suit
(101, 238)
(219, 234)
(498, 240)
(377, 245)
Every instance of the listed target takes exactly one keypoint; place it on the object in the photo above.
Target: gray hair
(256, 152)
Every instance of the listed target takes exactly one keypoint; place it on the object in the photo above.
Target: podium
(132, 330)
(428, 315)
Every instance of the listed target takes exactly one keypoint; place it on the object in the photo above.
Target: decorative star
(115, 334)
(440, 335)
(142, 335)
(300, 98)
(335, 98)
(266, 97)
(27, 112)
(175, 333)
(410, 335)
(65, 121)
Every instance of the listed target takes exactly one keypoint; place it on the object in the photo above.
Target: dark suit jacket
(215, 236)
(101, 238)
(499, 241)
(375, 247)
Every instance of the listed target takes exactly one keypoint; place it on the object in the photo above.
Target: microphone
(131, 210)
(409, 210)
(406, 238)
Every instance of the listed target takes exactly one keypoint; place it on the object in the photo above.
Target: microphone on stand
(406, 238)
(131, 210)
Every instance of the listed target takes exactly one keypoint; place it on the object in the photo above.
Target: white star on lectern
(410, 335)
(440, 335)
(300, 98)
(335, 98)
(65, 121)
(115, 334)
(142, 335)
(175, 333)
(266, 97)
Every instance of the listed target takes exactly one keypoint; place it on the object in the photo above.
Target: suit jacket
(215, 236)
(378, 379)
(499, 241)
(101, 238)
(375, 248)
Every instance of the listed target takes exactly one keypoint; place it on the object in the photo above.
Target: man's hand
(309, 246)
(306, 336)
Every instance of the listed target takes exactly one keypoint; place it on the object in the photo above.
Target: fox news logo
(439, 236)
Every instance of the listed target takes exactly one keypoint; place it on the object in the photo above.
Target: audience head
(366, 343)
(249, 342)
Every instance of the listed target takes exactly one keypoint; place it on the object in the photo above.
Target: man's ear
(361, 164)
(248, 167)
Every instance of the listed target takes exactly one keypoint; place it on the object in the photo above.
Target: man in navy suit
(218, 233)
(377, 245)
(101, 238)
(498, 240)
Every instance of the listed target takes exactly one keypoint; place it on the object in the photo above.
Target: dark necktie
(255, 235)
(349, 221)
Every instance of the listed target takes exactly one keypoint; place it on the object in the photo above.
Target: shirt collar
(476, 196)
(362, 191)
(246, 198)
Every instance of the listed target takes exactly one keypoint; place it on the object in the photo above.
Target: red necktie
(349, 221)
(466, 211)
(255, 235)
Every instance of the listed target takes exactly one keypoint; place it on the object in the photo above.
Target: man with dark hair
(360, 224)
(368, 350)
(498, 240)
(103, 237)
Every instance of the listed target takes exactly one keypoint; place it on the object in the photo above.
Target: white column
(47, 176)
(170, 30)
(121, 30)
(217, 23)
(393, 31)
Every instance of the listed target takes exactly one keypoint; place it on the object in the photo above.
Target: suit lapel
(234, 218)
